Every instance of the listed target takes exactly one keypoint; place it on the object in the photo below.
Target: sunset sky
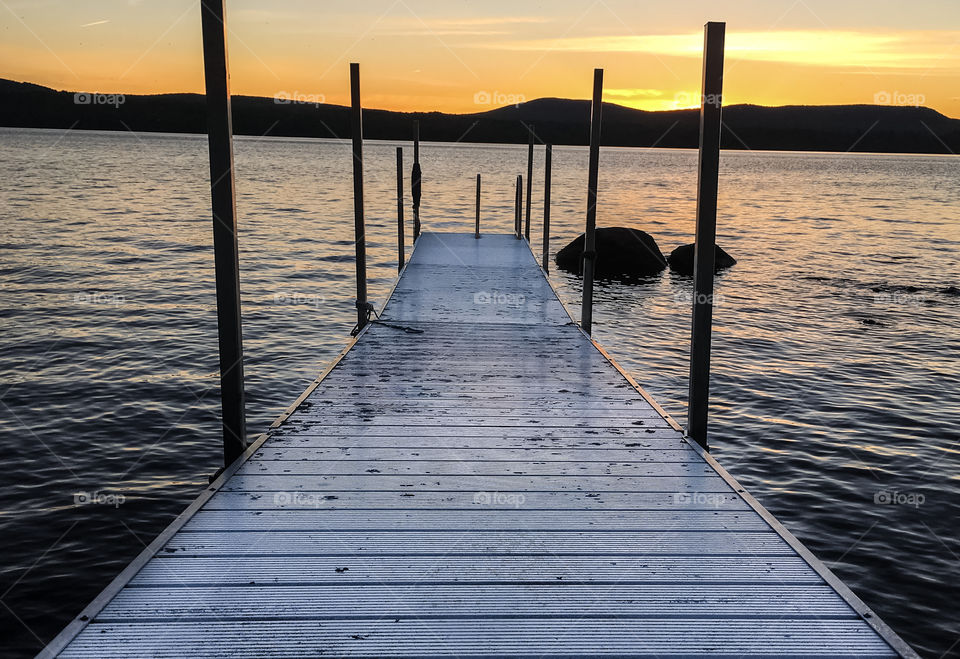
(460, 56)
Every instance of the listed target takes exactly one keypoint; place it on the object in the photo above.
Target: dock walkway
(475, 477)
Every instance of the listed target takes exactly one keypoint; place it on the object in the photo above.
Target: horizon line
(490, 109)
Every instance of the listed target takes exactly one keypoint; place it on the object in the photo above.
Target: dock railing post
(401, 256)
(356, 133)
(589, 234)
(526, 230)
(225, 251)
(516, 201)
(705, 243)
(415, 181)
(547, 165)
(476, 231)
(518, 208)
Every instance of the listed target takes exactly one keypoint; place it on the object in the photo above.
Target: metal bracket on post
(356, 133)
(705, 244)
(589, 234)
(225, 252)
(547, 165)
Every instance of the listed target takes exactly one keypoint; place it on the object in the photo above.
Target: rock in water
(621, 252)
(681, 259)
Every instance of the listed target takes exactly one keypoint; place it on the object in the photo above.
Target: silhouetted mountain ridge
(560, 121)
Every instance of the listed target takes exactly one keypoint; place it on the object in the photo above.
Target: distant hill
(560, 121)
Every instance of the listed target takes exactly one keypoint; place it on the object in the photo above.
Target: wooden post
(476, 231)
(356, 132)
(526, 230)
(415, 181)
(401, 256)
(225, 252)
(589, 235)
(704, 251)
(547, 165)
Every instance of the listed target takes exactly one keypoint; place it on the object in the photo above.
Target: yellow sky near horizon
(471, 56)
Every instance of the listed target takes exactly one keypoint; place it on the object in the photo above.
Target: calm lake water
(836, 367)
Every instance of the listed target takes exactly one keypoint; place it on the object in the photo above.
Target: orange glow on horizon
(471, 63)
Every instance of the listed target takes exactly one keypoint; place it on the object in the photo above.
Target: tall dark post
(704, 251)
(225, 253)
(400, 247)
(526, 230)
(516, 205)
(476, 231)
(416, 140)
(547, 165)
(518, 209)
(415, 180)
(356, 132)
(589, 235)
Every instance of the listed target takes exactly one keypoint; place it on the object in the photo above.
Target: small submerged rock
(681, 259)
(621, 252)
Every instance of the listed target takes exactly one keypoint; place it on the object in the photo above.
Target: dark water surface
(836, 373)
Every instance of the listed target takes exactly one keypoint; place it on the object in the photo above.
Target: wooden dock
(475, 477)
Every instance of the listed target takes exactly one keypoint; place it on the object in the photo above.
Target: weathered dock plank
(432, 453)
(454, 500)
(466, 520)
(479, 542)
(385, 571)
(486, 636)
(476, 478)
(464, 601)
(470, 485)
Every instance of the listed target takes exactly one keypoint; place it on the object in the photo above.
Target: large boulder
(681, 259)
(621, 252)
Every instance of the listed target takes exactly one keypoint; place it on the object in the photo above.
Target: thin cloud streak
(830, 48)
